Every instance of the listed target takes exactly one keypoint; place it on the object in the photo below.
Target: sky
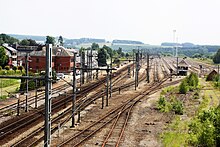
(149, 21)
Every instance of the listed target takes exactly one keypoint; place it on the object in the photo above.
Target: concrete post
(48, 92)
(74, 90)
(26, 68)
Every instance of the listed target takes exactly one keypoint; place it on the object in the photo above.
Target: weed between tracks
(197, 126)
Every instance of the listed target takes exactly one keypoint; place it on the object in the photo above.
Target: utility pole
(36, 93)
(87, 74)
(148, 68)
(82, 67)
(48, 98)
(136, 73)
(138, 66)
(133, 61)
(107, 85)
(91, 78)
(26, 70)
(74, 90)
(111, 78)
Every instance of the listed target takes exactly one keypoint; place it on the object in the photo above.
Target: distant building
(12, 54)
(62, 59)
(212, 75)
(183, 68)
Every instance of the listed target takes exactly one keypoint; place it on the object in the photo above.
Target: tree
(216, 58)
(95, 46)
(50, 40)
(7, 39)
(32, 42)
(3, 57)
(102, 56)
(60, 40)
(127, 55)
(119, 51)
(28, 42)
(109, 51)
(183, 87)
(25, 42)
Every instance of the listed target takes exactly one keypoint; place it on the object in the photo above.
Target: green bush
(7, 67)
(205, 129)
(20, 68)
(183, 88)
(163, 105)
(193, 80)
(177, 107)
(3, 97)
(15, 68)
(0, 68)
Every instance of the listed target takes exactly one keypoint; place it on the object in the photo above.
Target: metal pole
(35, 93)
(26, 68)
(97, 74)
(18, 107)
(111, 78)
(177, 66)
(148, 68)
(129, 71)
(135, 78)
(91, 64)
(74, 90)
(48, 92)
(107, 84)
(87, 74)
(218, 77)
(83, 66)
(133, 62)
(102, 101)
(78, 121)
(138, 66)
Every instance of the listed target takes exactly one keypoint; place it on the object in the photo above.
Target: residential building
(62, 60)
(12, 54)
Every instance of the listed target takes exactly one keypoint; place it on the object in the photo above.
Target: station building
(183, 68)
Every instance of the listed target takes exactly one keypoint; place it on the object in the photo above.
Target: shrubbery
(183, 88)
(205, 129)
(177, 107)
(174, 105)
(15, 68)
(7, 67)
(189, 83)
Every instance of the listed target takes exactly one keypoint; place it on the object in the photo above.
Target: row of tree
(28, 42)
(105, 53)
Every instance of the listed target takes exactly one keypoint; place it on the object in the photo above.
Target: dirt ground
(143, 128)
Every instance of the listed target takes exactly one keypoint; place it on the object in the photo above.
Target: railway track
(31, 100)
(23, 122)
(82, 103)
(66, 116)
(120, 114)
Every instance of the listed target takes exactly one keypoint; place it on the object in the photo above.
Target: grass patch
(8, 82)
(3, 97)
(168, 90)
(177, 134)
